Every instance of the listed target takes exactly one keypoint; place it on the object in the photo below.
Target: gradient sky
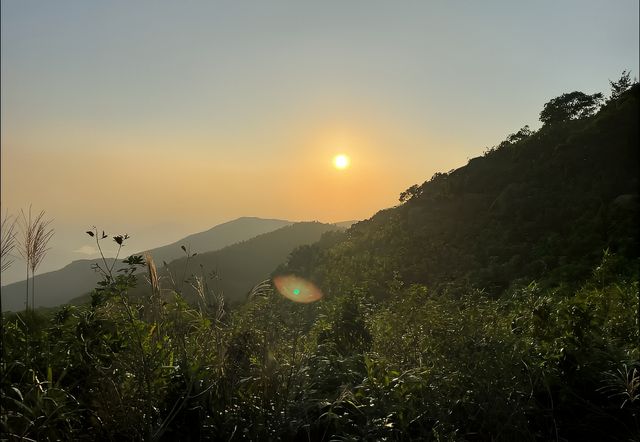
(166, 118)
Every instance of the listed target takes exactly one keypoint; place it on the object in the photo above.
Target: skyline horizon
(90, 253)
(62, 257)
(162, 119)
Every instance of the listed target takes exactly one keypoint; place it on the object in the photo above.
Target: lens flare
(297, 289)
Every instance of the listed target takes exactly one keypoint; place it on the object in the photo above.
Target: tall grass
(7, 241)
(36, 234)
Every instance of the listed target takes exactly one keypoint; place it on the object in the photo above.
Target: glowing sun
(341, 161)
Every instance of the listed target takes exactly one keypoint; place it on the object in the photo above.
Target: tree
(522, 134)
(618, 87)
(570, 106)
(411, 192)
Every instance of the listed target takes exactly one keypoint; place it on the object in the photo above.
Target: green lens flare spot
(297, 289)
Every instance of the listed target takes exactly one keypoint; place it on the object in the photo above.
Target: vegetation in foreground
(520, 325)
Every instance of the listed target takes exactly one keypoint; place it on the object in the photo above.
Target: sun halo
(341, 161)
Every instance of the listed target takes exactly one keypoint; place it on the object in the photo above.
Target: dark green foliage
(570, 106)
(499, 302)
(411, 192)
(620, 86)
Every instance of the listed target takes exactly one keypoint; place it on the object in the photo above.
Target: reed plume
(7, 241)
(36, 235)
(154, 281)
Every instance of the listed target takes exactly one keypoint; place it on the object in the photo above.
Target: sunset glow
(276, 118)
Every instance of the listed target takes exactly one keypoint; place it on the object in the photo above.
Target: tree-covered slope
(541, 205)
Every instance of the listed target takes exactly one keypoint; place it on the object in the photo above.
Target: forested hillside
(497, 302)
(539, 206)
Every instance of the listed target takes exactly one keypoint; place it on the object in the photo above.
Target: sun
(341, 161)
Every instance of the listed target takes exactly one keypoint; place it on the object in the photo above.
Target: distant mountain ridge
(239, 267)
(346, 224)
(60, 286)
(220, 236)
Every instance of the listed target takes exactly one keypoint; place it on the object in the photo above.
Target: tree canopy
(620, 86)
(570, 106)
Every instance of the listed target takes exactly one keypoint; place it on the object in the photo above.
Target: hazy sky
(166, 118)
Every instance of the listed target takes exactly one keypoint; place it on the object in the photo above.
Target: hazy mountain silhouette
(239, 267)
(346, 224)
(219, 236)
(60, 286)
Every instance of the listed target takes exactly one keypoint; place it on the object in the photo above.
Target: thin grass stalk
(25, 246)
(154, 282)
(7, 241)
(41, 236)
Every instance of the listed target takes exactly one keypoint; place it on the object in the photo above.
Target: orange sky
(291, 176)
(166, 118)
